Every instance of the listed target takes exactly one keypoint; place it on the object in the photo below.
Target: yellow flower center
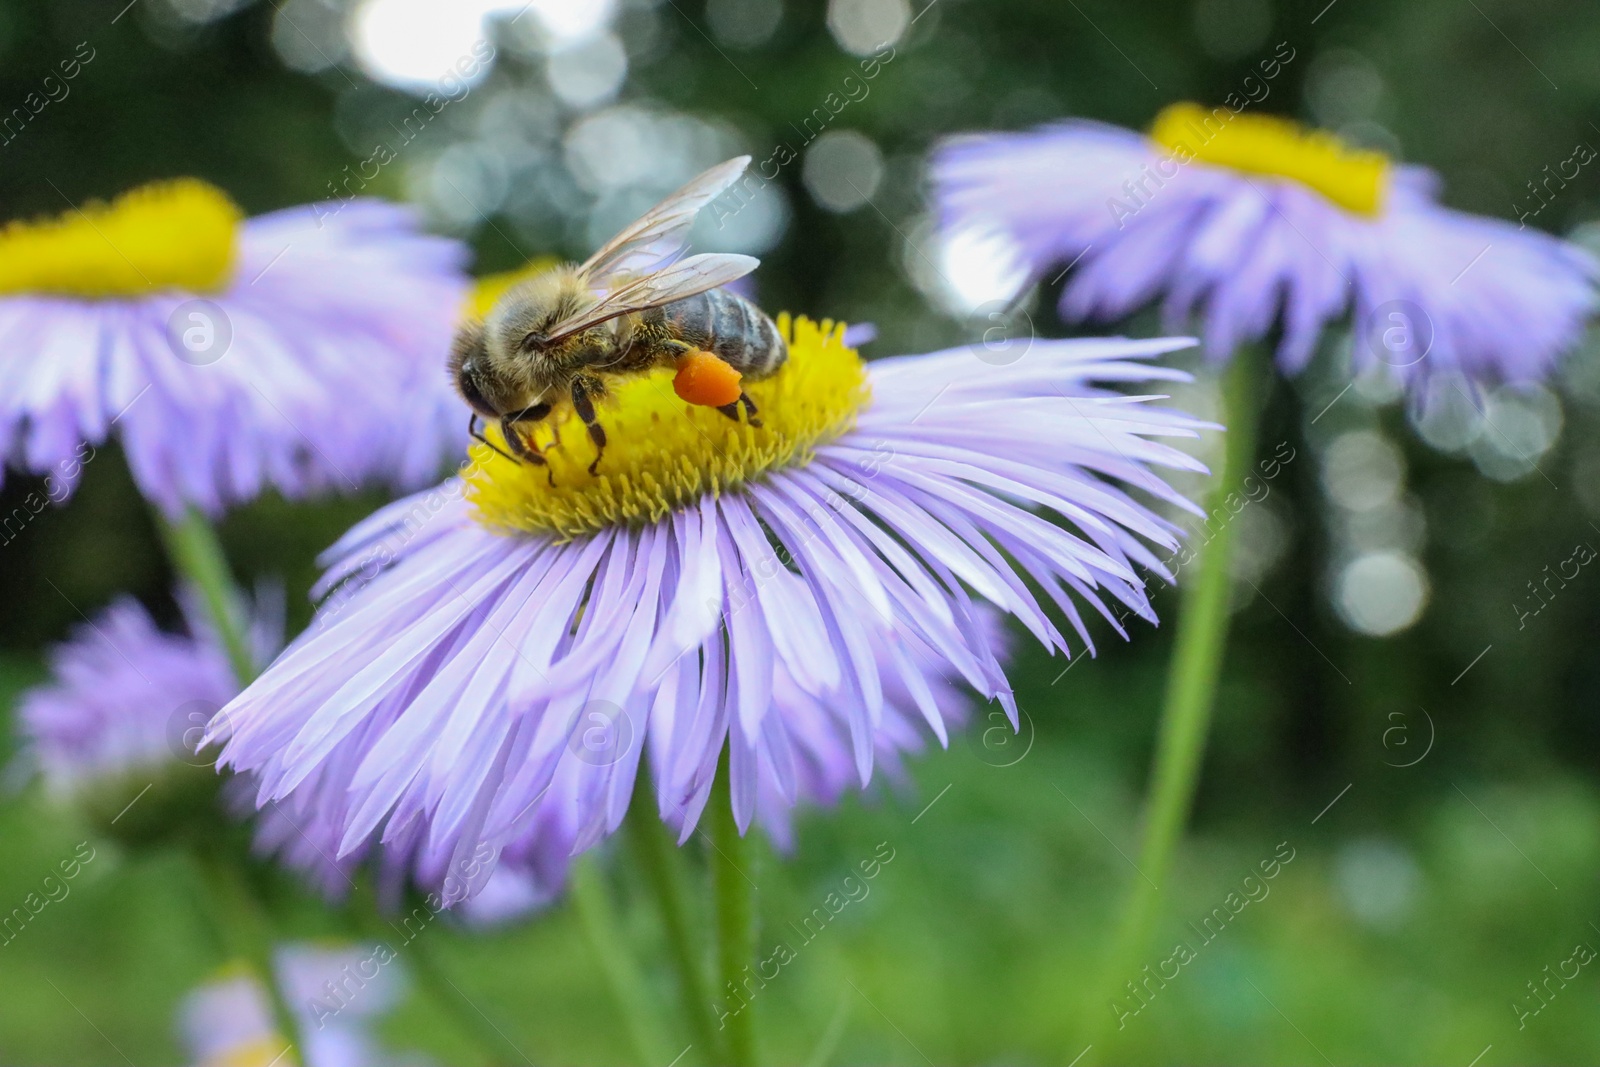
(1354, 178)
(663, 453)
(179, 234)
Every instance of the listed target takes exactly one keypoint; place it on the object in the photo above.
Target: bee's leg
(531, 413)
(472, 428)
(584, 406)
(517, 444)
(749, 409)
(520, 447)
(533, 457)
(732, 410)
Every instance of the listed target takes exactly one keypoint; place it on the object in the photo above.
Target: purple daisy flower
(504, 649)
(824, 764)
(305, 828)
(1249, 221)
(228, 355)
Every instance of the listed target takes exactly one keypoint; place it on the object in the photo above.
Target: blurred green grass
(978, 943)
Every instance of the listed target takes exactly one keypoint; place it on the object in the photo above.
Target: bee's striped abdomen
(730, 327)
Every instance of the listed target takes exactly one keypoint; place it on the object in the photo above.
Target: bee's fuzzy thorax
(487, 290)
(535, 305)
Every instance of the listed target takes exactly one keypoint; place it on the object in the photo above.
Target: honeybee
(632, 306)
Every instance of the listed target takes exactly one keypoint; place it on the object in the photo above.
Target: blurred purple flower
(336, 993)
(493, 669)
(129, 700)
(126, 697)
(1250, 221)
(290, 351)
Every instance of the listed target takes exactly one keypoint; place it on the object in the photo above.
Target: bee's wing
(683, 278)
(660, 234)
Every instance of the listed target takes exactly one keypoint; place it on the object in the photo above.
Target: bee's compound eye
(472, 393)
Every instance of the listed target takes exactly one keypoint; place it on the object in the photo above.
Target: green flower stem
(243, 922)
(197, 555)
(1202, 632)
(657, 856)
(244, 932)
(421, 960)
(425, 967)
(602, 926)
(736, 917)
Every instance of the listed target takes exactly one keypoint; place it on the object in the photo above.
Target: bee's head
(469, 371)
(470, 384)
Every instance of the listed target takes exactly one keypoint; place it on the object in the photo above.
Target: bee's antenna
(472, 428)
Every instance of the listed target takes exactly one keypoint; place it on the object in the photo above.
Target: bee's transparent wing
(683, 278)
(660, 234)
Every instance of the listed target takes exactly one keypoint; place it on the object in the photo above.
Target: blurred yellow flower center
(663, 453)
(1353, 178)
(179, 234)
(254, 1052)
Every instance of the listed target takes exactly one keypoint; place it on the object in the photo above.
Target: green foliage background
(980, 942)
